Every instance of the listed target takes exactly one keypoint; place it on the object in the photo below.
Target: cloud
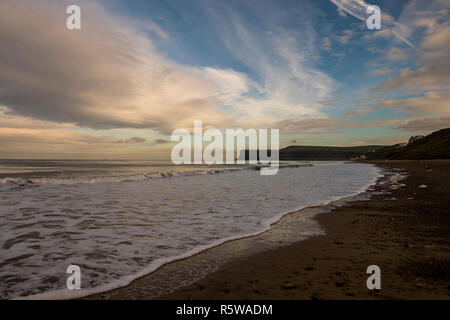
(358, 112)
(381, 71)
(330, 125)
(437, 103)
(396, 54)
(382, 141)
(69, 144)
(384, 33)
(133, 140)
(431, 103)
(345, 37)
(326, 44)
(285, 82)
(111, 75)
(341, 12)
(311, 126)
(8, 120)
(435, 45)
(107, 75)
(58, 136)
(426, 125)
(428, 80)
(162, 141)
(430, 77)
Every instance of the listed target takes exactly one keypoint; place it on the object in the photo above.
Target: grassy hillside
(325, 153)
(433, 146)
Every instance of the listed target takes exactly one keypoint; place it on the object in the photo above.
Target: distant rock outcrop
(414, 139)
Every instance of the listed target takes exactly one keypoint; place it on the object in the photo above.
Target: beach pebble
(288, 285)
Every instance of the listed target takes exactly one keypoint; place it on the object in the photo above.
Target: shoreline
(153, 270)
(404, 231)
(217, 255)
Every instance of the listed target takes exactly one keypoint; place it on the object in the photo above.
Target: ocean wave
(22, 182)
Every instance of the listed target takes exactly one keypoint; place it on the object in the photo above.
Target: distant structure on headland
(414, 139)
(361, 157)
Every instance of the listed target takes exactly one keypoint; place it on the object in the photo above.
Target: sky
(140, 69)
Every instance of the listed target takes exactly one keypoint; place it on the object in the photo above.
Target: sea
(121, 220)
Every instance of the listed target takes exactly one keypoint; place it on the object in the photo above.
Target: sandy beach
(404, 228)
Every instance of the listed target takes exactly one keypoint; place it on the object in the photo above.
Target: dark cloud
(161, 141)
(134, 140)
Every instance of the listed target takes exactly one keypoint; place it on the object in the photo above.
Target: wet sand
(404, 230)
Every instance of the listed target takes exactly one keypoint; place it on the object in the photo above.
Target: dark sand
(406, 233)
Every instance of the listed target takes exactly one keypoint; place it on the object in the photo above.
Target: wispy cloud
(286, 84)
